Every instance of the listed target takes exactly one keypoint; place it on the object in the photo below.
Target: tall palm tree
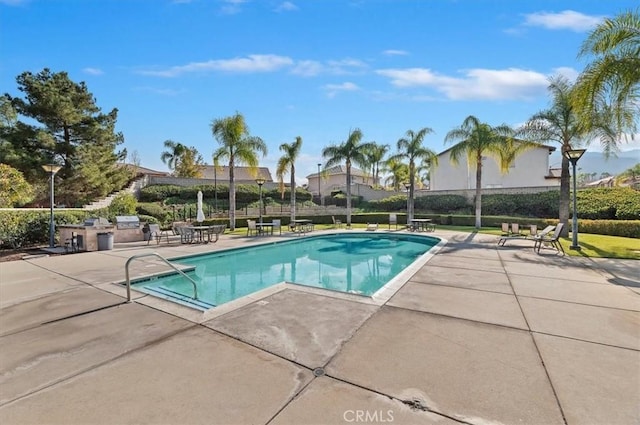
(399, 173)
(351, 151)
(560, 124)
(287, 163)
(374, 157)
(474, 140)
(410, 148)
(173, 154)
(239, 147)
(611, 82)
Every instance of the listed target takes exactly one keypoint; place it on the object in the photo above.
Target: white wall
(529, 169)
(332, 182)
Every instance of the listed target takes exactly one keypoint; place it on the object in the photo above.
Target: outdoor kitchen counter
(87, 235)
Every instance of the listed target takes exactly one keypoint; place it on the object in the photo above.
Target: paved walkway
(479, 335)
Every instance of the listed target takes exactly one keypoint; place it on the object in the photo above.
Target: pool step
(184, 299)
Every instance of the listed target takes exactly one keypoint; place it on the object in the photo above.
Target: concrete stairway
(133, 188)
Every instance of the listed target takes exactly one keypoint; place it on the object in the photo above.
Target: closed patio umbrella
(200, 214)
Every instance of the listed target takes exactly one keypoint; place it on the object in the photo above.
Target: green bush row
(26, 228)
(621, 203)
(245, 193)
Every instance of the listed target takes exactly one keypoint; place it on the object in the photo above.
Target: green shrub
(541, 204)
(123, 204)
(624, 228)
(27, 228)
(622, 203)
(154, 210)
(441, 203)
(392, 203)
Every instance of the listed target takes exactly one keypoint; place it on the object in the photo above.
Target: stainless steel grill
(127, 222)
(96, 221)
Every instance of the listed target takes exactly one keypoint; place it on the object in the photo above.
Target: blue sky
(309, 68)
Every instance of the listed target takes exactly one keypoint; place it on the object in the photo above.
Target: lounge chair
(372, 226)
(393, 219)
(504, 238)
(554, 240)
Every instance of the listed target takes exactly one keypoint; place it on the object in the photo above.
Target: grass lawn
(593, 246)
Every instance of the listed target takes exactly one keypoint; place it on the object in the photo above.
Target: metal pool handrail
(155, 254)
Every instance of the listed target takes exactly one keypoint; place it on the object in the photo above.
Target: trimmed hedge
(245, 194)
(26, 228)
(622, 203)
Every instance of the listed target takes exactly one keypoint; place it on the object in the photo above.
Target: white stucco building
(529, 169)
(335, 178)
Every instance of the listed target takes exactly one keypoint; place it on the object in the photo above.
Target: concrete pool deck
(479, 335)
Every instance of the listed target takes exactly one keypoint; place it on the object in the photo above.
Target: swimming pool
(356, 263)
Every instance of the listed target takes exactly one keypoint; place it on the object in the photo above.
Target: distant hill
(595, 162)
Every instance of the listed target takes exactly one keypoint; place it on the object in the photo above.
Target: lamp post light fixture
(260, 182)
(319, 193)
(573, 155)
(51, 169)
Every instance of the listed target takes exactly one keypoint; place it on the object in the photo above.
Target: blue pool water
(353, 263)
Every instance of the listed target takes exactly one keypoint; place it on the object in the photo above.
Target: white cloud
(93, 71)
(307, 68)
(512, 83)
(311, 68)
(249, 64)
(333, 89)
(567, 72)
(392, 52)
(568, 19)
(231, 7)
(286, 6)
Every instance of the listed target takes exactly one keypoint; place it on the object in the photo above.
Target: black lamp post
(407, 186)
(215, 188)
(51, 169)
(260, 182)
(573, 155)
(319, 193)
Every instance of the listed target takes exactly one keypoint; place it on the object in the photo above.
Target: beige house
(243, 175)
(530, 169)
(334, 179)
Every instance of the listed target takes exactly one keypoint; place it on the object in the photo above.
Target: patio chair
(554, 240)
(336, 223)
(277, 225)
(252, 228)
(186, 235)
(372, 226)
(153, 231)
(214, 232)
(515, 229)
(393, 219)
(505, 229)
